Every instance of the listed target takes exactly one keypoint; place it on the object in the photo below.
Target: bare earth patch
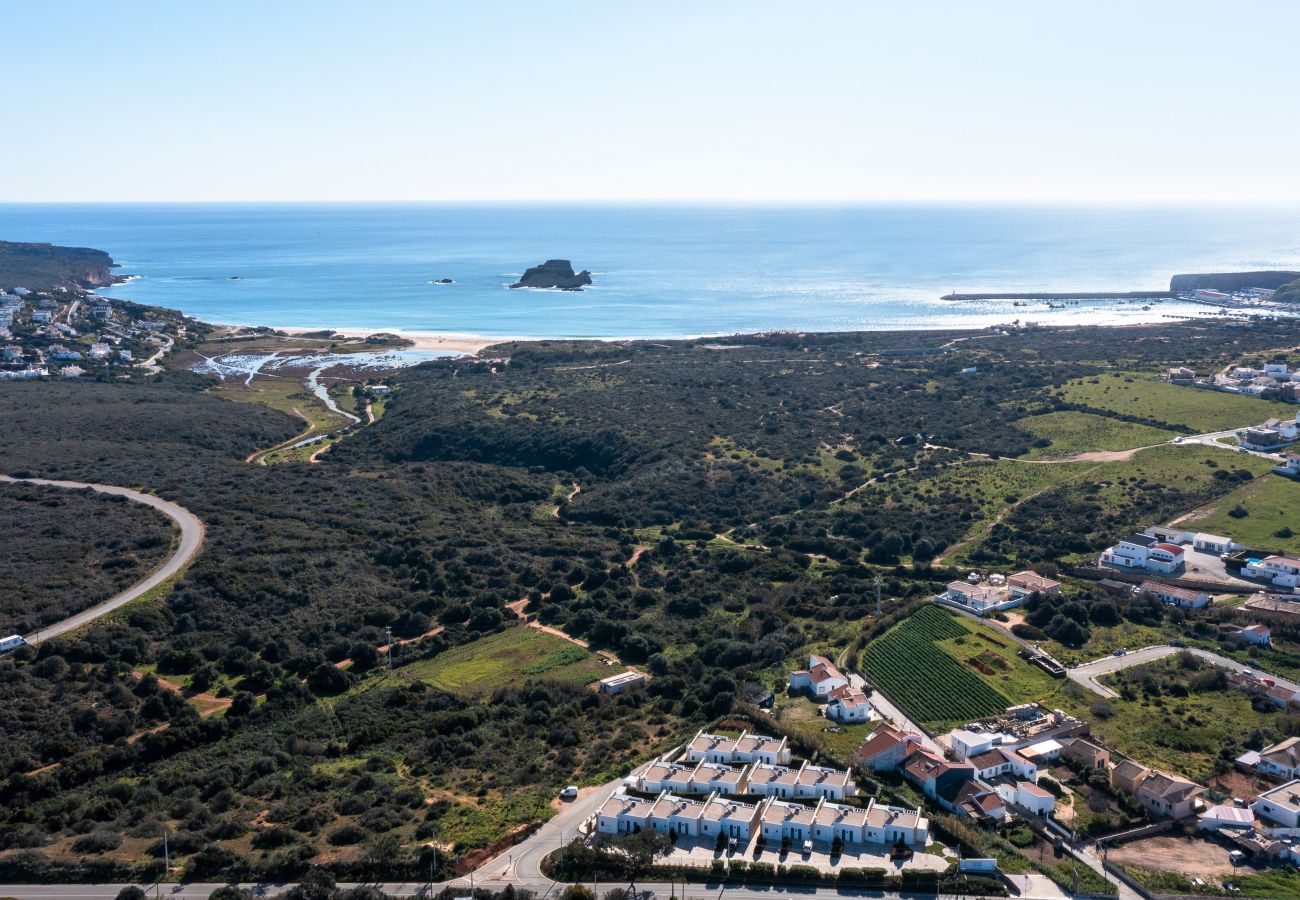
(1188, 856)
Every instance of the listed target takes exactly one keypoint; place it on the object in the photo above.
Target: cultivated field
(908, 663)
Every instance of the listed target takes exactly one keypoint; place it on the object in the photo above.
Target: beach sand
(420, 340)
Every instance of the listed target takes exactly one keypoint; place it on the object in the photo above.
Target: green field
(910, 666)
(1072, 433)
(1147, 396)
(992, 656)
(1271, 503)
(478, 668)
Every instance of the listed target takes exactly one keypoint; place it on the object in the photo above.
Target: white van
(569, 793)
(13, 642)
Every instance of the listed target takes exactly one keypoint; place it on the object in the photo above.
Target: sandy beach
(420, 340)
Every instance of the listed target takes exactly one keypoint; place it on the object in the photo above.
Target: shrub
(97, 842)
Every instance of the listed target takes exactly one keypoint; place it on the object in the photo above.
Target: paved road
(190, 544)
(893, 714)
(1220, 438)
(1088, 673)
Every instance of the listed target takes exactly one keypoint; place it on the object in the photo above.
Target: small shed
(616, 684)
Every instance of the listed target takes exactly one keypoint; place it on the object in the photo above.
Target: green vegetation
(801, 716)
(1270, 522)
(1269, 884)
(478, 668)
(1072, 433)
(907, 663)
(1180, 715)
(1147, 397)
(823, 459)
(43, 267)
(65, 551)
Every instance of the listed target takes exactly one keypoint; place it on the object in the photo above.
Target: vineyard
(928, 683)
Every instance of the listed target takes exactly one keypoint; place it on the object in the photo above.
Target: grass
(993, 657)
(1147, 396)
(1274, 884)
(1072, 433)
(801, 715)
(1270, 502)
(478, 668)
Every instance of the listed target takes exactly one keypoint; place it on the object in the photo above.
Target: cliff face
(43, 267)
(554, 273)
(1231, 281)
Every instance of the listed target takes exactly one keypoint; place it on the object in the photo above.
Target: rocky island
(554, 273)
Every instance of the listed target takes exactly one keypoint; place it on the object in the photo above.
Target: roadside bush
(97, 842)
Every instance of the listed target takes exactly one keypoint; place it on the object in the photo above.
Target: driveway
(1088, 673)
(893, 714)
(191, 543)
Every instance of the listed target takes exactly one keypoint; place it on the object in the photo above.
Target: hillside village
(71, 333)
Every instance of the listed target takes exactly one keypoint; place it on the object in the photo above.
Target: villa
(819, 679)
(848, 704)
(1144, 552)
(1279, 571)
(748, 748)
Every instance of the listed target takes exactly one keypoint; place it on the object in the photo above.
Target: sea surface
(660, 271)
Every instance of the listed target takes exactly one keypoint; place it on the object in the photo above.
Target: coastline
(450, 342)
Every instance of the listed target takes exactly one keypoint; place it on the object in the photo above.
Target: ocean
(659, 271)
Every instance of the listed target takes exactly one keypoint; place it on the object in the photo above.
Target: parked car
(1120, 651)
(569, 793)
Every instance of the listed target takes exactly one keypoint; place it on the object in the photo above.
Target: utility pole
(167, 855)
(388, 640)
(877, 580)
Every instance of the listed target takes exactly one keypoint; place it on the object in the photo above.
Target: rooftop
(1286, 796)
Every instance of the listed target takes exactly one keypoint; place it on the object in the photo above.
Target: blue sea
(659, 271)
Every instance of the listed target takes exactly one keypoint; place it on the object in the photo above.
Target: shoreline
(472, 344)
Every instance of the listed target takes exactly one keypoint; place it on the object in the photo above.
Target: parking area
(701, 853)
(1204, 566)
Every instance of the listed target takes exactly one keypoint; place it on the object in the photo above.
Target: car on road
(1120, 651)
(13, 642)
(569, 793)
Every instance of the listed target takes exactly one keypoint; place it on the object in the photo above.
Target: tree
(130, 892)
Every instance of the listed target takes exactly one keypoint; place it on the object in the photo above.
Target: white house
(981, 598)
(748, 748)
(1022, 584)
(1280, 571)
(1144, 552)
(669, 813)
(1282, 760)
(998, 761)
(835, 820)
(662, 775)
(1212, 543)
(1256, 634)
(848, 704)
(824, 783)
(1028, 795)
(819, 679)
(616, 684)
(1280, 805)
(622, 814)
(1291, 467)
(891, 824)
(728, 817)
(782, 819)
(709, 777)
(1187, 598)
(771, 781)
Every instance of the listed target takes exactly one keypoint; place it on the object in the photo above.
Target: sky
(1140, 101)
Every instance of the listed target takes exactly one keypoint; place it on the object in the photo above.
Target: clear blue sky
(1187, 100)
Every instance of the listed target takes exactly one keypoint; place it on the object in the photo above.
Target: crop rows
(928, 683)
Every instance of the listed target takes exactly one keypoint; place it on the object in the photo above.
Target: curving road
(1088, 673)
(191, 543)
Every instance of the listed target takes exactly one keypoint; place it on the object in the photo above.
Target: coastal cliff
(1231, 281)
(44, 267)
(554, 273)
